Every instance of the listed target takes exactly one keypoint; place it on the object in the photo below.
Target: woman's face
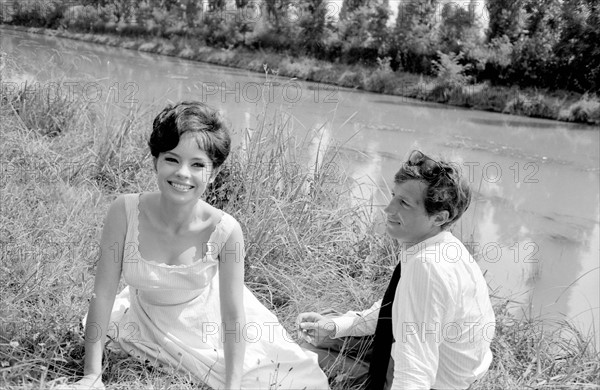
(183, 173)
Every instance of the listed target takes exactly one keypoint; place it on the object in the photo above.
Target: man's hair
(447, 191)
(209, 130)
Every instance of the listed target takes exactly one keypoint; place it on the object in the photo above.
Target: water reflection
(415, 103)
(547, 124)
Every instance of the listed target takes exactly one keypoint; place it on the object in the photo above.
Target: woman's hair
(205, 123)
(448, 190)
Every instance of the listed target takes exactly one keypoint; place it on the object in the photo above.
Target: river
(536, 212)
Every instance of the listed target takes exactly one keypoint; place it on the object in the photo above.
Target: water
(535, 216)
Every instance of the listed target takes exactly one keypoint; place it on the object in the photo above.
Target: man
(435, 323)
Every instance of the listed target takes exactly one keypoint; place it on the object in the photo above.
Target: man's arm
(420, 306)
(318, 329)
(357, 323)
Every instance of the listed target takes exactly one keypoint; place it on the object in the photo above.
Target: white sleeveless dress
(170, 316)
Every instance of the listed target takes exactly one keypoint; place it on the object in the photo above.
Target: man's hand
(316, 329)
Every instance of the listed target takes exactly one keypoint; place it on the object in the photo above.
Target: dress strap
(131, 213)
(221, 233)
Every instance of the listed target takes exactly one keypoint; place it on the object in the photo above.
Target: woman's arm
(233, 318)
(106, 282)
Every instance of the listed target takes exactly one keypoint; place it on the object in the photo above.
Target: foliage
(578, 52)
(551, 44)
(536, 106)
(364, 33)
(312, 26)
(382, 79)
(506, 18)
(35, 12)
(267, 34)
(450, 72)
(416, 37)
(459, 27)
(586, 110)
(218, 30)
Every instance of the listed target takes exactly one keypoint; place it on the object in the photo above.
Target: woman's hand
(229, 386)
(88, 382)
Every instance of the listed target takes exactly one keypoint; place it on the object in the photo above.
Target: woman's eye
(198, 165)
(170, 159)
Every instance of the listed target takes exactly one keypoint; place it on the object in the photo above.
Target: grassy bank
(450, 87)
(64, 161)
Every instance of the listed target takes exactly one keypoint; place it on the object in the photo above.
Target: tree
(349, 6)
(312, 25)
(458, 27)
(191, 12)
(364, 33)
(416, 35)
(506, 17)
(577, 49)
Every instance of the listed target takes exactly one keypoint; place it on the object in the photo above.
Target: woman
(186, 306)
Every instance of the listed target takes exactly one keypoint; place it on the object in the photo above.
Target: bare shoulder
(149, 202)
(212, 214)
(116, 211)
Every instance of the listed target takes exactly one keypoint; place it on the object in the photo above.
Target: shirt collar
(443, 236)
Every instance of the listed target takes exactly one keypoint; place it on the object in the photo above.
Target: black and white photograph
(299, 194)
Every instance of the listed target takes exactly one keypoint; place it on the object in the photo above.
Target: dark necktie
(382, 344)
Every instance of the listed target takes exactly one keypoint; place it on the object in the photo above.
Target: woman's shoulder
(222, 219)
(127, 198)
(217, 215)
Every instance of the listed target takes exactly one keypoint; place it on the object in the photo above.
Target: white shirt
(442, 318)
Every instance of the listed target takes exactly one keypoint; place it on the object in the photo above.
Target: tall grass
(309, 245)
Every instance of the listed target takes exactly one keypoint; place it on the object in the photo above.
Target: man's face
(407, 219)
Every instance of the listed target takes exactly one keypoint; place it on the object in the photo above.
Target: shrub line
(449, 88)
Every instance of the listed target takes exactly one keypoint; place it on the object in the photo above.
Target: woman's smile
(180, 186)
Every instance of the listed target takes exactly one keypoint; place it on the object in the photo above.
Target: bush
(586, 110)
(383, 78)
(265, 35)
(449, 72)
(218, 30)
(492, 99)
(81, 18)
(535, 106)
(302, 69)
(490, 61)
(351, 79)
(132, 30)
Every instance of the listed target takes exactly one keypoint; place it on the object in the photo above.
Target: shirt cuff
(343, 326)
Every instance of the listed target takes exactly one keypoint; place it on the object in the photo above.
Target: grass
(308, 244)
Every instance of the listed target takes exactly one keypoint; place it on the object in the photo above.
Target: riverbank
(562, 106)
(64, 162)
